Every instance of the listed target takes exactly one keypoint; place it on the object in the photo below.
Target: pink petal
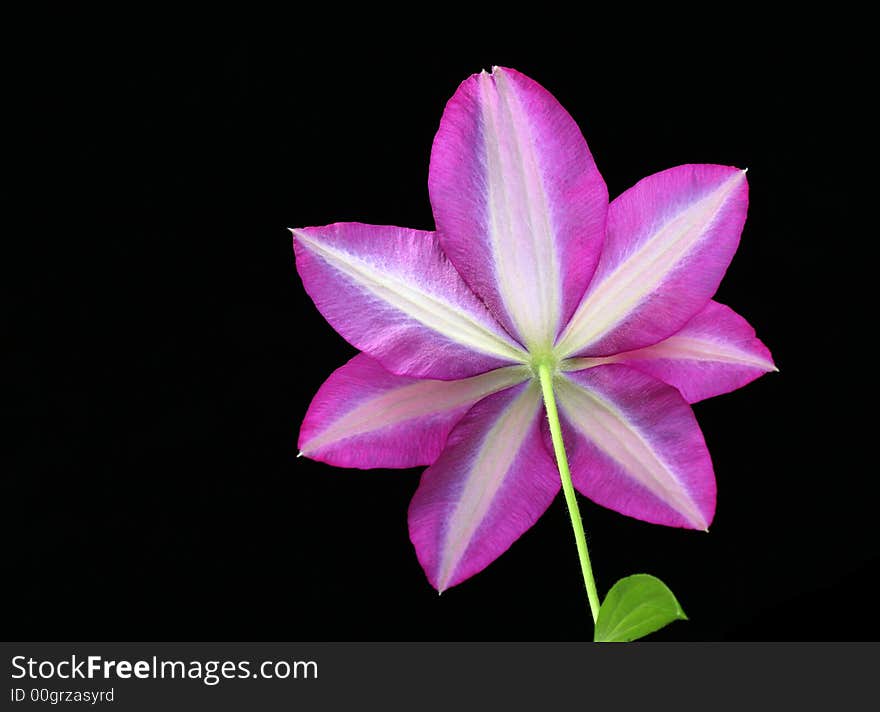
(490, 484)
(634, 446)
(670, 239)
(716, 352)
(392, 293)
(518, 201)
(363, 416)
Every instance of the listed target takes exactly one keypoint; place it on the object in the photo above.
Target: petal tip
(767, 362)
(700, 525)
(741, 175)
(442, 584)
(698, 517)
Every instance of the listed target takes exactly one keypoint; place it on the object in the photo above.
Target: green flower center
(543, 358)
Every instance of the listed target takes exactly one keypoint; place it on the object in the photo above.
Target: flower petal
(670, 239)
(635, 447)
(363, 416)
(391, 292)
(518, 201)
(490, 484)
(716, 352)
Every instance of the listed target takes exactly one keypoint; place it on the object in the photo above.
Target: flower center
(543, 358)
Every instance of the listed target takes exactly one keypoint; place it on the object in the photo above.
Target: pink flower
(530, 271)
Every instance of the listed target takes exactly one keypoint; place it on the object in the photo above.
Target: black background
(161, 351)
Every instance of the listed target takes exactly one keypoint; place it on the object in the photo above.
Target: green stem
(568, 488)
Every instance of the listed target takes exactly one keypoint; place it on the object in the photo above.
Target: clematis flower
(532, 292)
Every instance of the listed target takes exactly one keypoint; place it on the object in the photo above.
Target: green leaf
(635, 606)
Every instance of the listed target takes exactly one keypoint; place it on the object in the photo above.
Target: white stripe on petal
(637, 276)
(679, 348)
(411, 402)
(695, 349)
(522, 238)
(599, 421)
(486, 474)
(409, 298)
